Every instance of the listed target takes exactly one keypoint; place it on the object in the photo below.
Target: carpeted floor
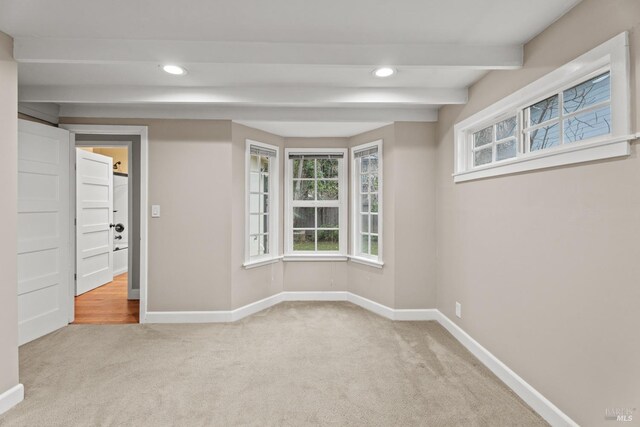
(292, 365)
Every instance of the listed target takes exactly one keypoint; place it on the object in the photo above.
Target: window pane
(264, 164)
(258, 203)
(364, 164)
(258, 224)
(303, 190)
(328, 217)
(364, 223)
(263, 243)
(364, 248)
(373, 163)
(374, 203)
(506, 128)
(254, 246)
(544, 110)
(327, 168)
(591, 92)
(482, 157)
(545, 137)
(506, 150)
(264, 182)
(328, 240)
(304, 168)
(254, 163)
(304, 240)
(364, 183)
(327, 190)
(364, 203)
(254, 182)
(588, 125)
(304, 218)
(374, 224)
(373, 183)
(483, 137)
(374, 245)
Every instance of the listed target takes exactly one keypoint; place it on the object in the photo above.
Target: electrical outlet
(458, 309)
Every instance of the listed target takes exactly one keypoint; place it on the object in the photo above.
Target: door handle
(111, 225)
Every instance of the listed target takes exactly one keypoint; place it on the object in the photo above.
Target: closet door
(44, 259)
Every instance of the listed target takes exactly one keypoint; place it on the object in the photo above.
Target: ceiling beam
(230, 112)
(102, 51)
(269, 96)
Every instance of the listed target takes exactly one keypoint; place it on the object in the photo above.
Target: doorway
(105, 218)
(125, 294)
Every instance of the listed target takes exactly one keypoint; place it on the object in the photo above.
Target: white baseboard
(532, 397)
(416, 314)
(367, 304)
(11, 398)
(249, 309)
(547, 410)
(119, 272)
(254, 307)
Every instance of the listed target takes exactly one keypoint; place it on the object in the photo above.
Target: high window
(315, 213)
(261, 203)
(366, 207)
(577, 113)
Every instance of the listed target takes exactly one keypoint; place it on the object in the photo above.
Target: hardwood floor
(107, 304)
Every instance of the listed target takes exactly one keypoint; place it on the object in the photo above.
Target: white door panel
(44, 262)
(94, 216)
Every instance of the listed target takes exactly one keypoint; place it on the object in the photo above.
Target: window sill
(259, 263)
(578, 153)
(315, 258)
(366, 261)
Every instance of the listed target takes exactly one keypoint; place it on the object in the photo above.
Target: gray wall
(257, 283)
(190, 176)
(8, 215)
(545, 263)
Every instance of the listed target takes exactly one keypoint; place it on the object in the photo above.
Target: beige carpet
(292, 365)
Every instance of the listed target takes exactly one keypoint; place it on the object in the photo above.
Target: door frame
(142, 132)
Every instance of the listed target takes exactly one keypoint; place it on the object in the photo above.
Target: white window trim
(289, 254)
(613, 55)
(374, 261)
(274, 203)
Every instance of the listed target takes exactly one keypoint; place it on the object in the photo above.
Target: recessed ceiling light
(174, 69)
(384, 72)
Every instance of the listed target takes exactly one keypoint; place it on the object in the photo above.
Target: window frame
(611, 56)
(274, 205)
(342, 204)
(355, 254)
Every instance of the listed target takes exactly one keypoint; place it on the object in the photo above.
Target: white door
(44, 259)
(94, 216)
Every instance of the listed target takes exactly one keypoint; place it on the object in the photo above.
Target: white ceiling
(259, 60)
(486, 22)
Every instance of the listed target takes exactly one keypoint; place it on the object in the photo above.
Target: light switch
(155, 211)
